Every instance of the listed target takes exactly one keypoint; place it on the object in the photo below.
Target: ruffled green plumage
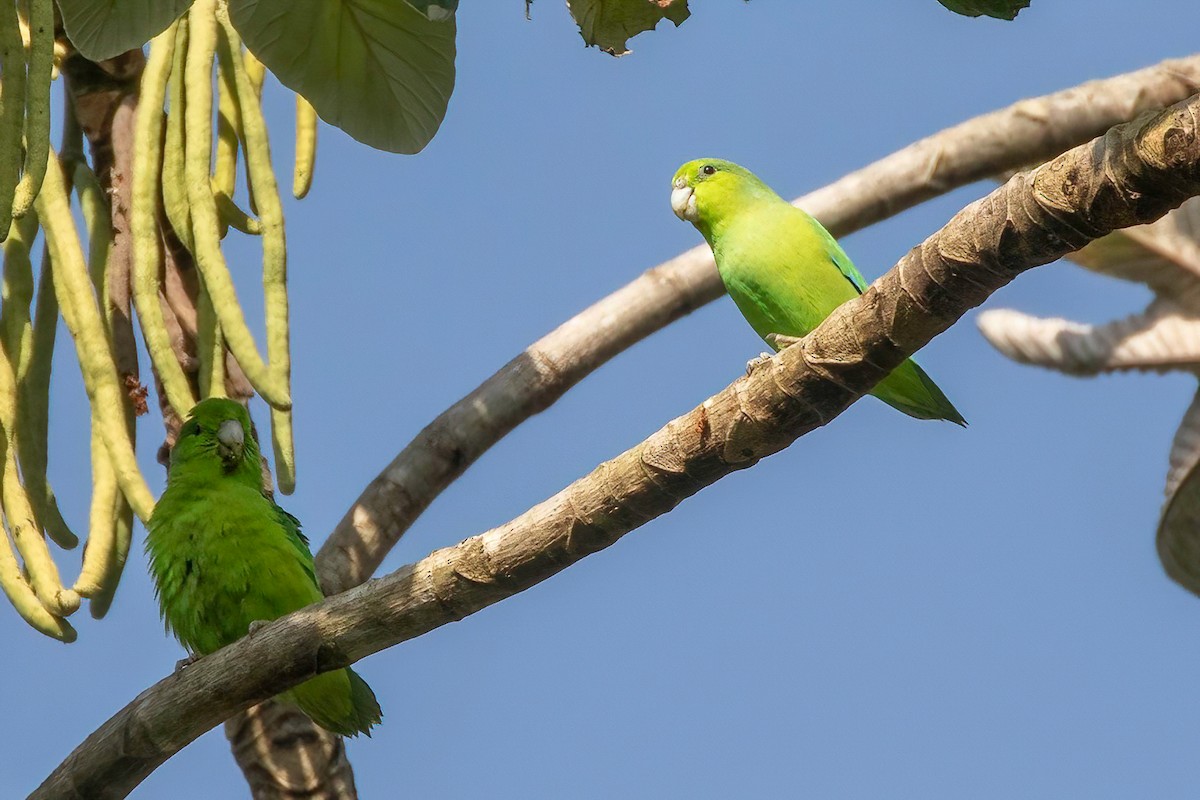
(784, 271)
(224, 555)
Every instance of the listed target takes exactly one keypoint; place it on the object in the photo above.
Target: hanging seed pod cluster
(182, 191)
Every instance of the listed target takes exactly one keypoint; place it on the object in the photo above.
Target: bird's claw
(755, 363)
(184, 663)
(780, 341)
(256, 625)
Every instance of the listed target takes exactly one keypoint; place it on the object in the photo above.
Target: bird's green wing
(297, 539)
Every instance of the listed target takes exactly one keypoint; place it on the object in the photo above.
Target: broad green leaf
(609, 24)
(103, 29)
(1000, 9)
(381, 70)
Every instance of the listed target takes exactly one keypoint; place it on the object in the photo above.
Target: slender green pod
(123, 534)
(270, 381)
(37, 103)
(233, 216)
(100, 550)
(21, 595)
(229, 125)
(306, 147)
(174, 189)
(18, 337)
(12, 110)
(22, 524)
(256, 71)
(16, 328)
(81, 313)
(274, 242)
(97, 218)
(101, 567)
(147, 252)
(210, 348)
(33, 409)
(105, 483)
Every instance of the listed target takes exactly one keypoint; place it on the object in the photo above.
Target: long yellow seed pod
(122, 536)
(21, 595)
(106, 492)
(18, 289)
(270, 214)
(33, 379)
(82, 315)
(306, 147)
(229, 125)
(271, 382)
(231, 215)
(210, 349)
(256, 71)
(12, 110)
(174, 190)
(18, 511)
(147, 255)
(37, 103)
(97, 217)
(98, 554)
(18, 340)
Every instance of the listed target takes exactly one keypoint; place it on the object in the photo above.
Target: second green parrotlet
(785, 272)
(224, 556)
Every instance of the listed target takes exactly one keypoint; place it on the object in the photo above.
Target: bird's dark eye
(190, 428)
(708, 169)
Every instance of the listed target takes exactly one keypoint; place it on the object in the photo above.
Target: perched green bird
(224, 556)
(784, 271)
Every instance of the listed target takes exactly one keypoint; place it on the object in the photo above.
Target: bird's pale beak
(231, 441)
(683, 200)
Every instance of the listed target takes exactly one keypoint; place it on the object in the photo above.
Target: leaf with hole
(609, 24)
(1000, 9)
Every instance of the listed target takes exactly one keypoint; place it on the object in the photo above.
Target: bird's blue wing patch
(842, 261)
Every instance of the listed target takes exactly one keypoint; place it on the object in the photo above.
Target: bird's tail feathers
(909, 390)
(338, 701)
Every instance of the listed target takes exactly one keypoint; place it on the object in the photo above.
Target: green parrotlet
(785, 272)
(223, 556)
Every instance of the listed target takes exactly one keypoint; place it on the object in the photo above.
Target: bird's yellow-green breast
(783, 270)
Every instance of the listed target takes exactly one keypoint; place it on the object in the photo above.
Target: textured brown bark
(1132, 175)
(1027, 132)
(284, 756)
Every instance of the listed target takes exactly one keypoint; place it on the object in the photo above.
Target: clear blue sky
(887, 609)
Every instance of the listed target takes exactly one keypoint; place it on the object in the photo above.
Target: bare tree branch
(284, 756)
(1028, 132)
(1133, 175)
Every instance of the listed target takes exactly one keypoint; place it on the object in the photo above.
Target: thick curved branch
(1133, 175)
(1162, 338)
(1028, 132)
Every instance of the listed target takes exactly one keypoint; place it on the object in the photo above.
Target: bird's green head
(709, 191)
(217, 440)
